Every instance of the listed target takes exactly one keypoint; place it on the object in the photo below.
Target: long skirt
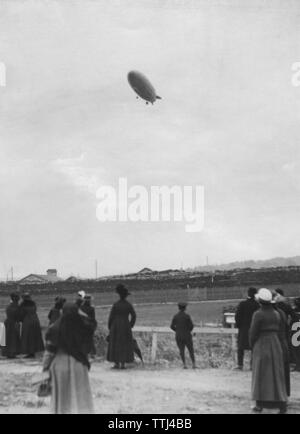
(13, 339)
(120, 347)
(71, 391)
(268, 373)
(31, 336)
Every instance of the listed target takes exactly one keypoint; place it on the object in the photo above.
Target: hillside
(293, 261)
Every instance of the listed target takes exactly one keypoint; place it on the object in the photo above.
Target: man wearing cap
(182, 325)
(243, 318)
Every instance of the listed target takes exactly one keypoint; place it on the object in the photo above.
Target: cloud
(85, 178)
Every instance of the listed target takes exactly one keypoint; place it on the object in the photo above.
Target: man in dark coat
(243, 318)
(12, 328)
(182, 325)
(89, 310)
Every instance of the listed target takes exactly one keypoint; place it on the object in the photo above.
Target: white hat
(264, 295)
(81, 294)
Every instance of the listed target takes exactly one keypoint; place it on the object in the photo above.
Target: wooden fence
(156, 331)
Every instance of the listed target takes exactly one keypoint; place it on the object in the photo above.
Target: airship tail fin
(158, 97)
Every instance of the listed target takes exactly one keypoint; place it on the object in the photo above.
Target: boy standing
(183, 326)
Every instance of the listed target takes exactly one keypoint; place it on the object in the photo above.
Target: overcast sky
(69, 123)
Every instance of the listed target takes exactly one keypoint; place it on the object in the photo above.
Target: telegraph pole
(96, 269)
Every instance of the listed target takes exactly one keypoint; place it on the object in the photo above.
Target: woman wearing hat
(121, 320)
(268, 374)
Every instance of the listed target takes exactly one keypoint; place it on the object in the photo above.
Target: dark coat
(12, 330)
(284, 304)
(268, 371)
(121, 347)
(243, 318)
(31, 337)
(54, 315)
(182, 325)
(90, 312)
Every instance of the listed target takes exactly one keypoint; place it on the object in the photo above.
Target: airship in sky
(142, 86)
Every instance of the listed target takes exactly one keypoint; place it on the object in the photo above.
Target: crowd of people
(264, 321)
(23, 329)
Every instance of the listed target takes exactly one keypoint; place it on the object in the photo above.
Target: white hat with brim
(264, 296)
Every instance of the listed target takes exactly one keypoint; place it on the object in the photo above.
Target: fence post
(233, 343)
(153, 347)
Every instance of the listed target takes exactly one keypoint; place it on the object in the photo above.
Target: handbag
(44, 389)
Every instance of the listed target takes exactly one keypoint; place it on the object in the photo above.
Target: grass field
(155, 314)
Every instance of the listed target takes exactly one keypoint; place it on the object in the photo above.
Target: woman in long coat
(121, 321)
(268, 373)
(67, 361)
(12, 328)
(31, 336)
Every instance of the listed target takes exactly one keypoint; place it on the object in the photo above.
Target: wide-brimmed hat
(182, 305)
(122, 290)
(264, 296)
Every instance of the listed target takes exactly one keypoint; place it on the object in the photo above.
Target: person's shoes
(257, 409)
(195, 366)
(115, 367)
(238, 368)
(185, 367)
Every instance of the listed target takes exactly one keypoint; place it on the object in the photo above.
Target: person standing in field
(243, 318)
(268, 371)
(56, 312)
(89, 310)
(122, 319)
(12, 328)
(283, 303)
(31, 336)
(80, 298)
(183, 326)
(67, 362)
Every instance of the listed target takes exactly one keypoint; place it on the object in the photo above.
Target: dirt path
(149, 390)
